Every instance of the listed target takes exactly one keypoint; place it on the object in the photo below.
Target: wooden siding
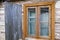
(2, 23)
(57, 23)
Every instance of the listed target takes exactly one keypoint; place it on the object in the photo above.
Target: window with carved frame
(38, 20)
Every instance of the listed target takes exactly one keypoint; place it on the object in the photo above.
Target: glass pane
(31, 12)
(44, 21)
(44, 17)
(31, 21)
(44, 29)
(31, 28)
(44, 14)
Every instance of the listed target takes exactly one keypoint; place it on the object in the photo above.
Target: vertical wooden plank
(20, 20)
(17, 21)
(24, 23)
(8, 21)
(53, 21)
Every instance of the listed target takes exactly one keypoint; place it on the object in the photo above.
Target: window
(39, 20)
(44, 21)
(31, 21)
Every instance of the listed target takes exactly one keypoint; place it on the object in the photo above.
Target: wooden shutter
(13, 21)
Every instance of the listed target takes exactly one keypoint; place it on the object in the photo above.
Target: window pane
(31, 12)
(44, 17)
(44, 14)
(44, 31)
(44, 21)
(31, 28)
(31, 21)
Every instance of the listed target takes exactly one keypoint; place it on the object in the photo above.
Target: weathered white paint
(57, 4)
(2, 23)
(1, 11)
(57, 19)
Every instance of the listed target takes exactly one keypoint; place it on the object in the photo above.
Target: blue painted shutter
(13, 21)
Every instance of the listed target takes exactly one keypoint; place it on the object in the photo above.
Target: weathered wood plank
(13, 21)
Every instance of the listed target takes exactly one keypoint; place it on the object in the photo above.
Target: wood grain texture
(13, 21)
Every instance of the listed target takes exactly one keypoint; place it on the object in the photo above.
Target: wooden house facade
(16, 15)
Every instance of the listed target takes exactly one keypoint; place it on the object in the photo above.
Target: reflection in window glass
(44, 21)
(31, 21)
